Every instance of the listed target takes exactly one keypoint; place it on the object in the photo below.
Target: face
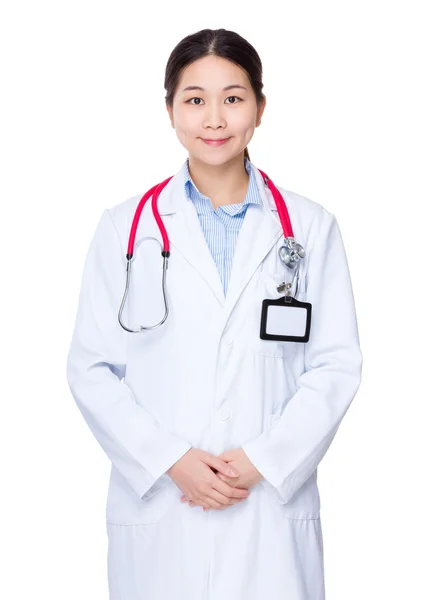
(213, 112)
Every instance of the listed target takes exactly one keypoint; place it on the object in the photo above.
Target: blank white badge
(286, 321)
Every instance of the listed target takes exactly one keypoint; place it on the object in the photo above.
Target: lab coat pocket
(125, 507)
(268, 283)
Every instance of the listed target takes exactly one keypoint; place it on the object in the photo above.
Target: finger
(212, 503)
(227, 458)
(228, 490)
(221, 466)
(224, 506)
(193, 503)
(231, 502)
(222, 499)
(229, 480)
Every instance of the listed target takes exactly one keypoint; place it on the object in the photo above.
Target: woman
(214, 433)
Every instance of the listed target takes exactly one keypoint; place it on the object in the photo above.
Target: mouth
(215, 142)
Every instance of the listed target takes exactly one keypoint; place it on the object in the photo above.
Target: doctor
(214, 434)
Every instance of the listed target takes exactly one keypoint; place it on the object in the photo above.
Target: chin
(209, 159)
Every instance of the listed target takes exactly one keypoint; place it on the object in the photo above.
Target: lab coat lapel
(259, 232)
(185, 233)
(187, 237)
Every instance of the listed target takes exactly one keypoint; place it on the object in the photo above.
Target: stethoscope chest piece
(291, 252)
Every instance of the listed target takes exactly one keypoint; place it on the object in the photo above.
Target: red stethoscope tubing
(156, 190)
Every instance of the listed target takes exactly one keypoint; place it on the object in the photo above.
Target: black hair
(214, 42)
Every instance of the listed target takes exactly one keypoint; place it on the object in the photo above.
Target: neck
(223, 184)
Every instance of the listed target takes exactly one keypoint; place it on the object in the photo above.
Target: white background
(84, 127)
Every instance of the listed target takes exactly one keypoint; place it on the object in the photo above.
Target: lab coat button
(225, 414)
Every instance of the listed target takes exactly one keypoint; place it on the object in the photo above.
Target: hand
(248, 474)
(193, 473)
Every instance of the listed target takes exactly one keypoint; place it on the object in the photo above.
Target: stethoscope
(290, 253)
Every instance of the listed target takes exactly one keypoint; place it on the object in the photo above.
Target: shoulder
(305, 208)
(122, 210)
(121, 215)
(307, 216)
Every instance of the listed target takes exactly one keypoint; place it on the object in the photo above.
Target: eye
(196, 98)
(190, 101)
(235, 97)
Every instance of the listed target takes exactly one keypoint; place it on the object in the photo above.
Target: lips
(214, 142)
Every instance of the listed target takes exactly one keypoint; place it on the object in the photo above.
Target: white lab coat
(205, 379)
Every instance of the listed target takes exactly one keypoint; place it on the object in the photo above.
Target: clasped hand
(214, 481)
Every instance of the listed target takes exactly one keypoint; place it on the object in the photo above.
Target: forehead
(212, 72)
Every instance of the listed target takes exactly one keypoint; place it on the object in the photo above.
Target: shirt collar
(201, 202)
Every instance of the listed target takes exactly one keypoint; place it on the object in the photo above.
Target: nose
(214, 117)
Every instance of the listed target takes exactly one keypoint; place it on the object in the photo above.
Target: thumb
(221, 466)
(225, 456)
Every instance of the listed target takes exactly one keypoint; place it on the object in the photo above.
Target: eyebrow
(228, 87)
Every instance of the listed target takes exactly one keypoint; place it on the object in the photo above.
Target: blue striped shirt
(222, 225)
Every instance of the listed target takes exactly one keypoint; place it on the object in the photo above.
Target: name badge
(285, 319)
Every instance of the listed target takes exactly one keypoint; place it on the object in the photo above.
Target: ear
(260, 111)
(169, 110)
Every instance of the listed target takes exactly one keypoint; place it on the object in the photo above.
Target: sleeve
(140, 449)
(288, 453)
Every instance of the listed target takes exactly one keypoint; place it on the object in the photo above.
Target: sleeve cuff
(272, 477)
(160, 478)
